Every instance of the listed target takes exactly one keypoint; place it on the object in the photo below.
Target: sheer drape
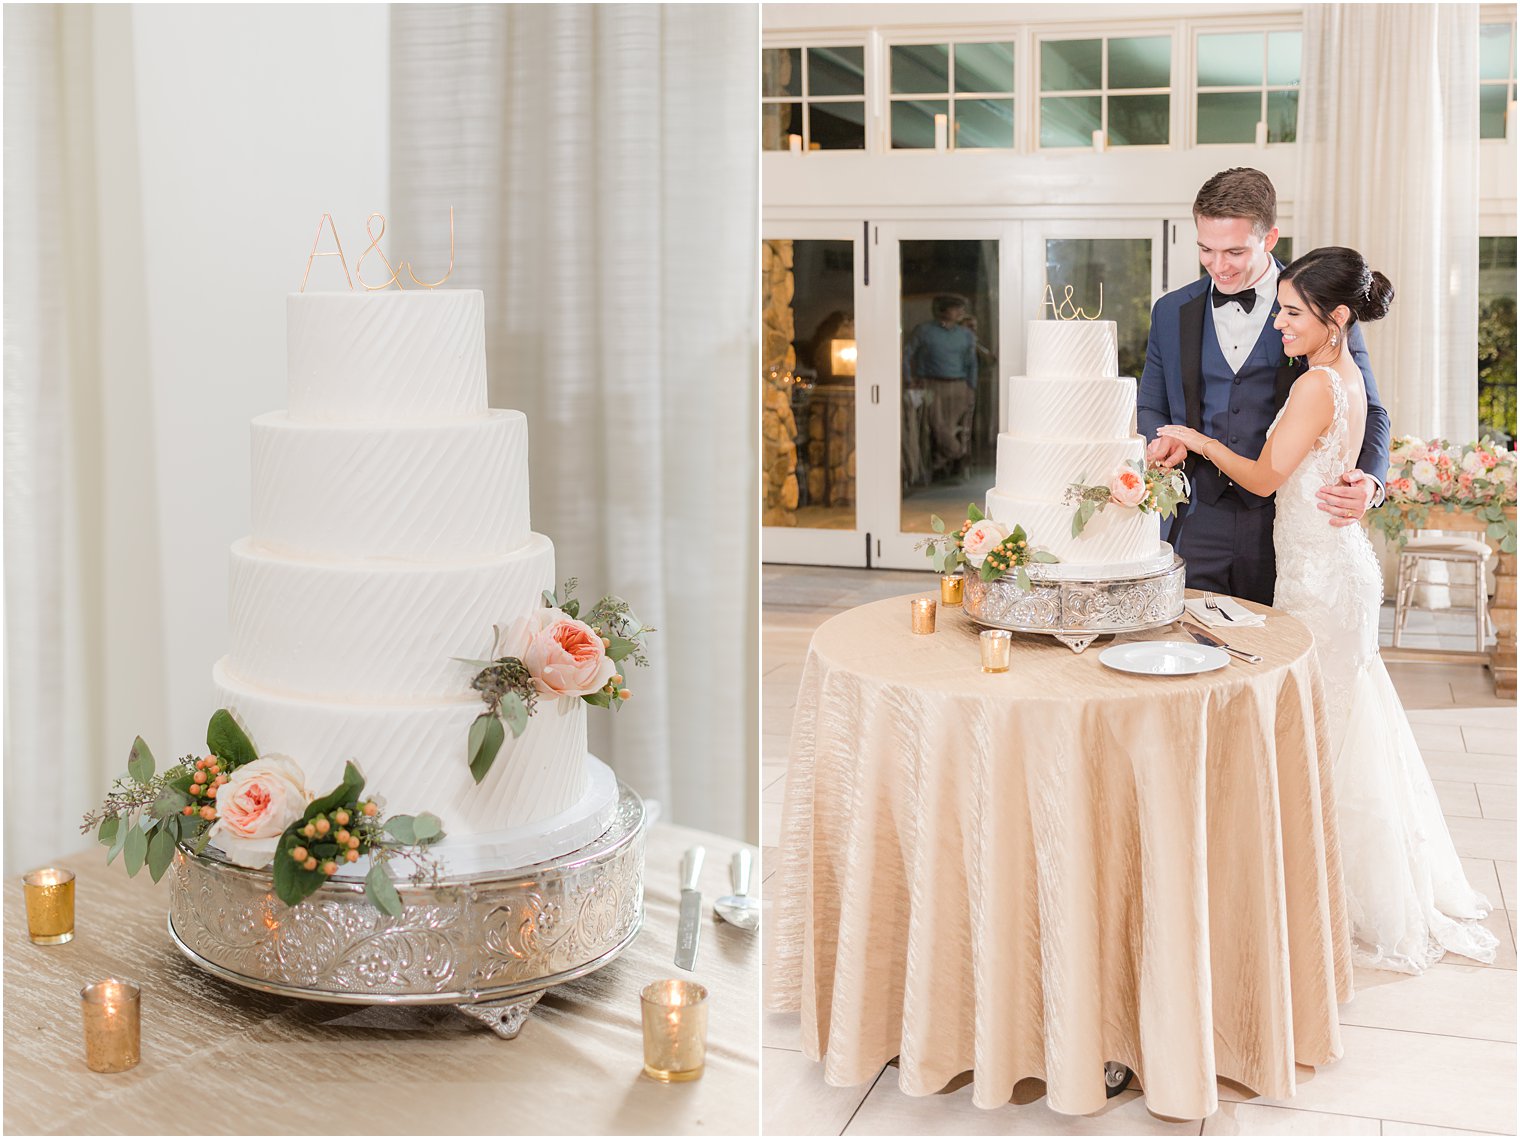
(602, 163)
(1388, 143)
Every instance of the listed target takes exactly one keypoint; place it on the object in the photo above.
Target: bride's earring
(1334, 339)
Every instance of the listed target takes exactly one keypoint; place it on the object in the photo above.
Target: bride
(1408, 899)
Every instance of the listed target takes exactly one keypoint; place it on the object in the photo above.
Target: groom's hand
(1347, 500)
(1166, 452)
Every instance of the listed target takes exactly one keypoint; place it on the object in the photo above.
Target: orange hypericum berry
(323, 826)
(342, 837)
(199, 777)
(208, 812)
(351, 856)
(188, 811)
(623, 694)
(329, 868)
(309, 831)
(309, 864)
(341, 818)
(371, 810)
(617, 678)
(196, 789)
(353, 842)
(300, 854)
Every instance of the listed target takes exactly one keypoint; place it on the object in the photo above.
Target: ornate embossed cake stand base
(1077, 610)
(490, 942)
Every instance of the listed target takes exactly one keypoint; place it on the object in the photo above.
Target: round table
(1028, 874)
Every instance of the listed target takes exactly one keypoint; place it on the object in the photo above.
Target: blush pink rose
(983, 537)
(255, 805)
(565, 656)
(1127, 488)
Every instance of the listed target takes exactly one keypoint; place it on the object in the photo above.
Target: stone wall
(777, 367)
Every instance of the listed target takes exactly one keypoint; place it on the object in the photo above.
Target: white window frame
(1105, 92)
(1505, 15)
(806, 100)
(949, 96)
(1264, 26)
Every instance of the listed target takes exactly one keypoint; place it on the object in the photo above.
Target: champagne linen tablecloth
(222, 1060)
(1032, 873)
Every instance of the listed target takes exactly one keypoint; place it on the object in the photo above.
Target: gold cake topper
(374, 245)
(1067, 309)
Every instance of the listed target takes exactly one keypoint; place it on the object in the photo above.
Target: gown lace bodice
(1407, 896)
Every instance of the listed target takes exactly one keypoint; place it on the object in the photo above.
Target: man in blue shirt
(939, 362)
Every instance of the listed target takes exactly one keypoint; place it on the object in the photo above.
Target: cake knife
(689, 932)
(1204, 637)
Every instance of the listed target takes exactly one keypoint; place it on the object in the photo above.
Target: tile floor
(1431, 1055)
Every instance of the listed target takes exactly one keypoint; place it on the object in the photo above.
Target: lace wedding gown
(1407, 897)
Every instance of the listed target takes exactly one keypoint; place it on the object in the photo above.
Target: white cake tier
(1100, 407)
(1086, 348)
(1117, 535)
(417, 492)
(414, 755)
(363, 357)
(375, 630)
(1040, 470)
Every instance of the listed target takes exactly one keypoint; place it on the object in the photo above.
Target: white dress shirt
(1239, 330)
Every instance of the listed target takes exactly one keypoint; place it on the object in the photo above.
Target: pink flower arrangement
(1475, 478)
(1128, 488)
(566, 657)
(255, 805)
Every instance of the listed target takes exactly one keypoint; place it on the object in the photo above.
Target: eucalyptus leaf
(514, 712)
(598, 699)
(200, 843)
(136, 849)
(160, 852)
(620, 648)
(381, 892)
(140, 762)
(1497, 529)
(402, 828)
(226, 740)
(1508, 545)
(1043, 556)
(169, 804)
(974, 513)
(106, 835)
(572, 608)
(486, 737)
(550, 600)
(936, 523)
(427, 827)
(1023, 580)
(120, 844)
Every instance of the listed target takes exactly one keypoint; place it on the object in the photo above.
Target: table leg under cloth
(1030, 888)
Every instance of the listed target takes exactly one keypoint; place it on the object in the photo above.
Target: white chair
(1454, 551)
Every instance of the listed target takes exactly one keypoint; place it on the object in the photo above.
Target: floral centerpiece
(1475, 478)
(989, 547)
(259, 812)
(1148, 489)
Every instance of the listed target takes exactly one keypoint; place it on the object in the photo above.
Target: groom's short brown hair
(1239, 192)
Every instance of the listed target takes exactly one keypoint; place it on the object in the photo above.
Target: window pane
(1496, 336)
(1283, 52)
(1228, 116)
(1069, 121)
(808, 317)
(1233, 60)
(836, 70)
(948, 315)
(1122, 265)
(781, 71)
(1283, 250)
(1144, 61)
(777, 121)
(913, 122)
(1493, 51)
(984, 67)
(1282, 116)
(1491, 104)
(920, 68)
(837, 126)
(1139, 120)
(1071, 65)
(983, 123)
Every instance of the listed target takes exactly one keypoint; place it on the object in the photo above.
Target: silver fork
(1213, 607)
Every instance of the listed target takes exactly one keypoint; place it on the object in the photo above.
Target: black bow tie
(1246, 300)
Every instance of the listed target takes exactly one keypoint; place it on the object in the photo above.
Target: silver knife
(1204, 637)
(689, 932)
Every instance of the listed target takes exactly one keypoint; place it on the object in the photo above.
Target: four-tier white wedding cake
(390, 534)
(1070, 419)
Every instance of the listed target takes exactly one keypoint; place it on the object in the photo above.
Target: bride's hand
(1192, 440)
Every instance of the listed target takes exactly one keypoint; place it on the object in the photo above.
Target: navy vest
(1238, 407)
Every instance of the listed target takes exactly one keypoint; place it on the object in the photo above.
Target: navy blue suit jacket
(1171, 387)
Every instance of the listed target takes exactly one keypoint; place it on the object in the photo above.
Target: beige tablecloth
(1029, 874)
(219, 1059)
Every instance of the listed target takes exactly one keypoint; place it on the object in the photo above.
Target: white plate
(1164, 658)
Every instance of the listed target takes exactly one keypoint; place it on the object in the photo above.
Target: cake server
(1204, 637)
(689, 931)
(739, 908)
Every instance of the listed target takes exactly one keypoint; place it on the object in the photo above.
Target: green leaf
(160, 852)
(121, 842)
(973, 513)
(1044, 556)
(136, 849)
(598, 699)
(345, 793)
(201, 840)
(550, 600)
(514, 712)
(936, 523)
(1496, 530)
(169, 804)
(140, 762)
(1023, 580)
(381, 892)
(427, 826)
(226, 740)
(572, 608)
(486, 737)
(402, 828)
(620, 649)
(1508, 545)
(293, 884)
(106, 835)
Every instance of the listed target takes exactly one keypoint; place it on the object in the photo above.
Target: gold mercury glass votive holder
(997, 649)
(923, 614)
(112, 1025)
(952, 589)
(675, 1030)
(49, 905)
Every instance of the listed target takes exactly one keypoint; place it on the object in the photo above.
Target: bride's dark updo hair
(1334, 275)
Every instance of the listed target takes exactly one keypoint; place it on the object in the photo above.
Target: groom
(1215, 363)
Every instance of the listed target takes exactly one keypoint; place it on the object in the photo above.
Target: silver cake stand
(1077, 605)
(490, 942)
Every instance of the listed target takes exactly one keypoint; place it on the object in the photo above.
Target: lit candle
(923, 614)
(997, 649)
(112, 1025)
(675, 1030)
(794, 143)
(941, 132)
(952, 589)
(49, 905)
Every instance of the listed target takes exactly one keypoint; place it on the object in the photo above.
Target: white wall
(252, 122)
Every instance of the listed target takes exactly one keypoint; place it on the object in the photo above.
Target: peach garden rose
(1127, 488)
(255, 805)
(566, 657)
(981, 539)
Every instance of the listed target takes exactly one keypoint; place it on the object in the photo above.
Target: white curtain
(1388, 145)
(603, 166)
